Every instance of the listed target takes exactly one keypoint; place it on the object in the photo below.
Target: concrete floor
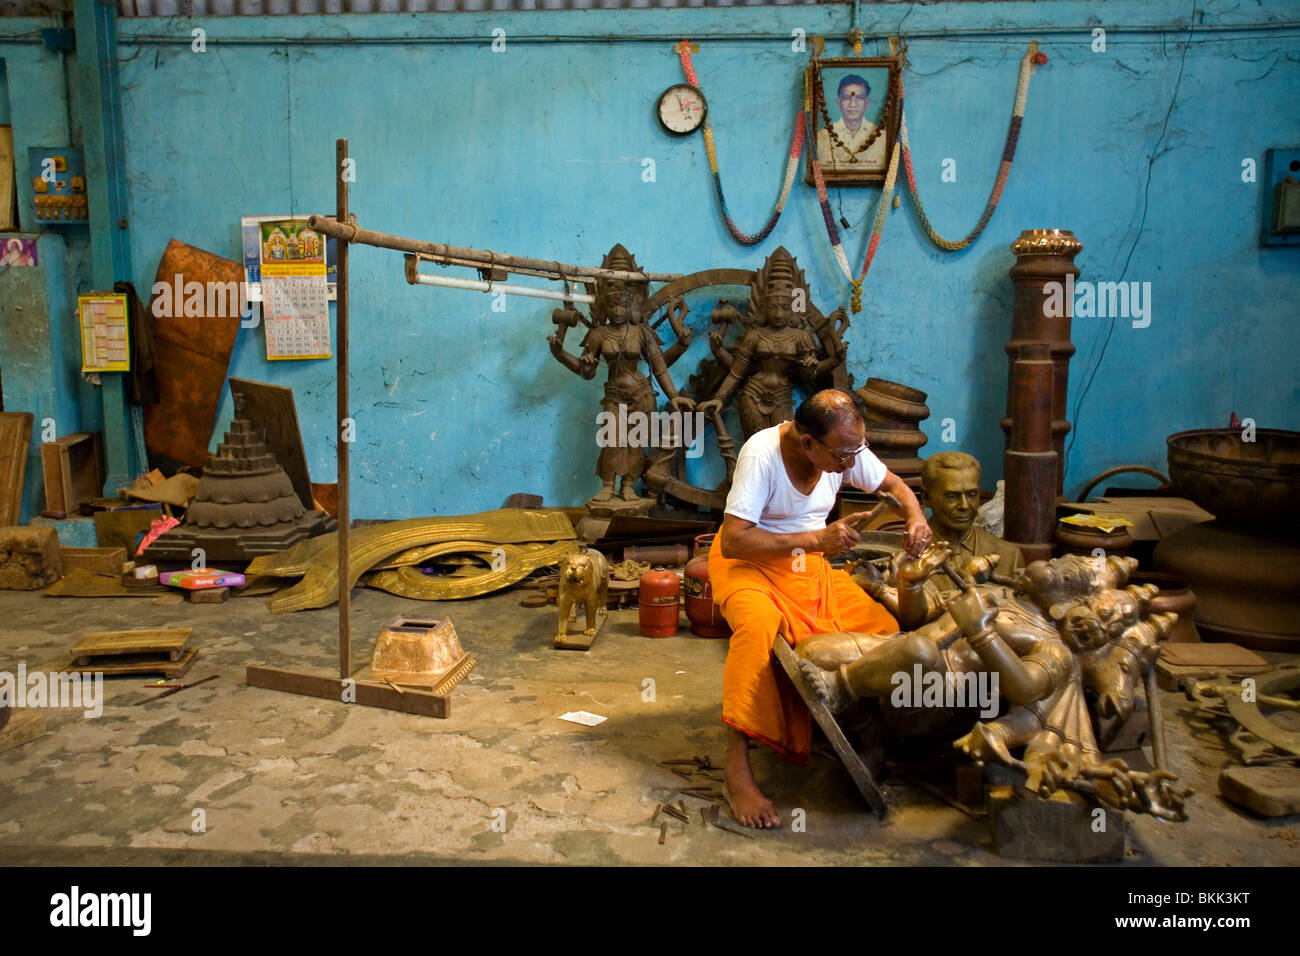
(282, 778)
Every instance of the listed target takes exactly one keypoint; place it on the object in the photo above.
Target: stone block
(29, 558)
(1268, 791)
(1062, 828)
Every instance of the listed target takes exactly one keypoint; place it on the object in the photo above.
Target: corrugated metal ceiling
(229, 8)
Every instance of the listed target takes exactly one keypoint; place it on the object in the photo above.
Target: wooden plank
(80, 583)
(24, 726)
(15, 441)
(853, 763)
(8, 181)
(271, 409)
(140, 664)
(154, 640)
(119, 528)
(56, 498)
(94, 560)
(368, 694)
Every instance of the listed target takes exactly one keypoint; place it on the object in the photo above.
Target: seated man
(769, 576)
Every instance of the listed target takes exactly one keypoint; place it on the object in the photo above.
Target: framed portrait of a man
(854, 118)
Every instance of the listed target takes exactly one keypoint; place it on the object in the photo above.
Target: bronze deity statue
(1032, 656)
(620, 336)
(777, 349)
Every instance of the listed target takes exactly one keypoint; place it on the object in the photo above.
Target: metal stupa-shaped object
(245, 505)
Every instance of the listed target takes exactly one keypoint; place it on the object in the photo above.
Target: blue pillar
(97, 108)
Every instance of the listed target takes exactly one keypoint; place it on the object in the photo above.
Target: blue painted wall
(39, 338)
(538, 151)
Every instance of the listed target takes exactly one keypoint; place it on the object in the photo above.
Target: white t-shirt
(761, 490)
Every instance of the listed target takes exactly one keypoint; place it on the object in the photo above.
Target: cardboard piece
(1153, 518)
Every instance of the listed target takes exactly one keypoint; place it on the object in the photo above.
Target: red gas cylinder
(705, 616)
(659, 597)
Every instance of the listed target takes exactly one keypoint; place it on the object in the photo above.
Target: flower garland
(1031, 59)
(901, 150)
(796, 150)
(882, 209)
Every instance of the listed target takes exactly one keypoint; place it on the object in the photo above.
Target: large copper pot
(1235, 480)
(1245, 579)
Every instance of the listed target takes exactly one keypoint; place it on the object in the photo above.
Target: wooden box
(73, 469)
(95, 560)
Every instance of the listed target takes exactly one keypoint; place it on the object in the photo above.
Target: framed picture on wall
(854, 118)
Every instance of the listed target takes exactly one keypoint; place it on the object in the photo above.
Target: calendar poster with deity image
(295, 305)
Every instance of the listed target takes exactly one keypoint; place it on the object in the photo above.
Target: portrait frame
(831, 147)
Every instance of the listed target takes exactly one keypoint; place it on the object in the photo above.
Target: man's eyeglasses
(842, 458)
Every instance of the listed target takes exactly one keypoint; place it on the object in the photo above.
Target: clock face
(682, 109)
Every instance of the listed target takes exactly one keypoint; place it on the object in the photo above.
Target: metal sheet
(193, 355)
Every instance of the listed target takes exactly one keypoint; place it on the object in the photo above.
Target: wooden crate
(139, 664)
(168, 641)
(73, 469)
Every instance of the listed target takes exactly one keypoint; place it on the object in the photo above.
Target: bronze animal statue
(584, 579)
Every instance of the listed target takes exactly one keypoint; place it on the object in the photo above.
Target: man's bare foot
(748, 805)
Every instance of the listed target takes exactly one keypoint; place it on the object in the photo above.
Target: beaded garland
(901, 150)
(796, 150)
(1031, 59)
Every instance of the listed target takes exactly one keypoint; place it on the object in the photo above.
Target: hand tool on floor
(175, 688)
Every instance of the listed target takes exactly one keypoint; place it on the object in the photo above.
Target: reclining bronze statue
(1035, 658)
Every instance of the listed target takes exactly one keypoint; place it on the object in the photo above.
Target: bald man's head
(822, 412)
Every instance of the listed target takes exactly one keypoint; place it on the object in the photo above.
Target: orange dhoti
(794, 596)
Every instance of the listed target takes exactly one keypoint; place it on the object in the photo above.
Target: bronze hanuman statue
(621, 338)
(777, 349)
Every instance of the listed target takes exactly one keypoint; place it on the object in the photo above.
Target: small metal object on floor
(675, 812)
(175, 689)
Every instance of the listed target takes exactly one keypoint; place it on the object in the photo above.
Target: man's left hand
(918, 536)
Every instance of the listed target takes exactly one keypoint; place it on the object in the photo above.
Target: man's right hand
(840, 535)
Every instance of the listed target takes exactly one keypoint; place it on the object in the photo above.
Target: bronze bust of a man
(951, 490)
